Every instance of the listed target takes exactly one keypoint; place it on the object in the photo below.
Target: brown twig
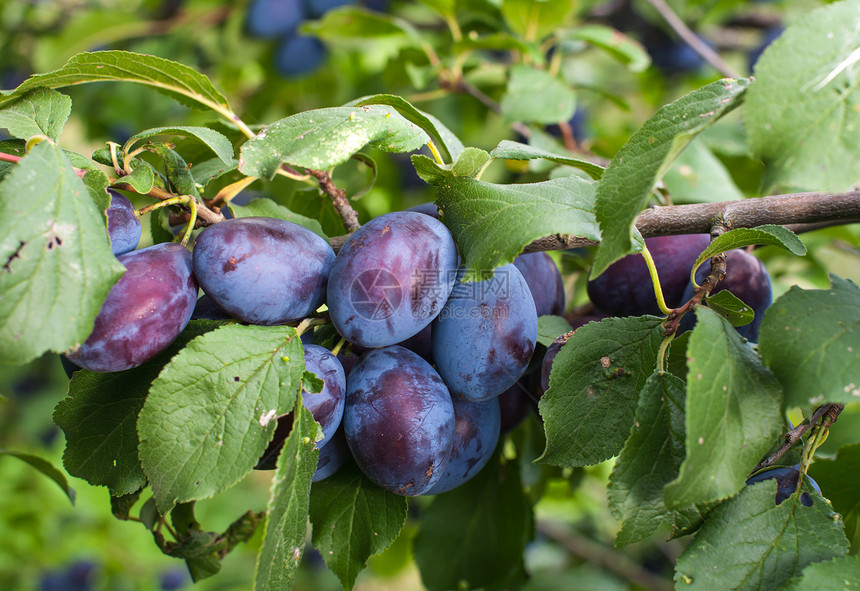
(338, 197)
(693, 40)
(810, 209)
(604, 556)
(824, 413)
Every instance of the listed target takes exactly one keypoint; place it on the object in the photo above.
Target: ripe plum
(272, 18)
(144, 312)
(544, 281)
(625, 288)
(476, 433)
(333, 455)
(786, 478)
(263, 270)
(391, 278)
(485, 335)
(399, 420)
(124, 228)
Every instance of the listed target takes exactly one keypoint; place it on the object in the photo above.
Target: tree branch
(693, 40)
(339, 199)
(828, 412)
(596, 553)
(812, 209)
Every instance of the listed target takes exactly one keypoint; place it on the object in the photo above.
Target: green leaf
(651, 458)
(56, 265)
(802, 116)
(287, 510)
(449, 144)
(733, 411)
(751, 543)
(46, 468)
(535, 20)
(99, 419)
(209, 170)
(470, 162)
(492, 224)
(623, 48)
(731, 308)
(697, 176)
(174, 79)
(516, 151)
(630, 178)
(39, 112)
(536, 96)
(741, 237)
(213, 409)
(810, 339)
(266, 207)
(550, 328)
(353, 519)
(474, 536)
(594, 389)
(217, 142)
(839, 479)
(323, 138)
(838, 574)
(141, 179)
(177, 171)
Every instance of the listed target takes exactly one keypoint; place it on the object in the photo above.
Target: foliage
(680, 422)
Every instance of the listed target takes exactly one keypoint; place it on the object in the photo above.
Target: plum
(124, 227)
(263, 270)
(299, 54)
(544, 281)
(748, 280)
(144, 311)
(786, 478)
(485, 335)
(399, 420)
(326, 406)
(476, 433)
(391, 278)
(273, 18)
(333, 455)
(625, 288)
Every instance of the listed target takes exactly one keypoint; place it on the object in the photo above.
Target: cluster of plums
(435, 368)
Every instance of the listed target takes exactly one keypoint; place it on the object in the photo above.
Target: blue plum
(516, 403)
(326, 405)
(485, 335)
(206, 309)
(273, 18)
(391, 278)
(297, 55)
(625, 288)
(428, 208)
(476, 432)
(333, 455)
(144, 312)
(263, 270)
(786, 478)
(748, 280)
(124, 227)
(399, 420)
(317, 8)
(544, 281)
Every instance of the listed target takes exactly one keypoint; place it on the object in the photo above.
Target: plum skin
(124, 227)
(144, 311)
(263, 270)
(485, 335)
(625, 288)
(786, 478)
(476, 432)
(391, 278)
(544, 281)
(399, 420)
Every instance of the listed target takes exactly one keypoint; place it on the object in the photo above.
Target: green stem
(189, 227)
(338, 347)
(662, 353)
(655, 280)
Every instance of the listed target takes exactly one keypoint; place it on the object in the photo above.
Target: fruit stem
(189, 227)
(436, 156)
(336, 349)
(655, 281)
(10, 158)
(662, 352)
